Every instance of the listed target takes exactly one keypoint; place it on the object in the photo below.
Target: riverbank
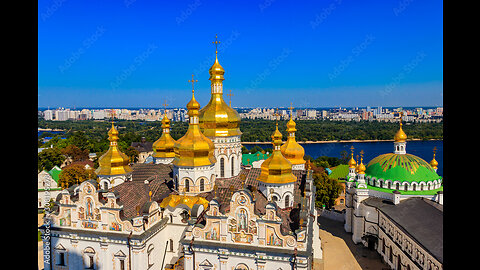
(341, 141)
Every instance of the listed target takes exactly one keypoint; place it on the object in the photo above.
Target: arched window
(287, 201)
(390, 256)
(406, 186)
(233, 166)
(414, 187)
(428, 186)
(149, 255)
(421, 186)
(381, 183)
(187, 185)
(222, 167)
(176, 182)
(274, 198)
(171, 245)
(89, 262)
(388, 185)
(397, 186)
(105, 185)
(202, 184)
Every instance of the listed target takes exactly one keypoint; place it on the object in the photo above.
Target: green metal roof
(247, 159)
(55, 173)
(339, 171)
(402, 168)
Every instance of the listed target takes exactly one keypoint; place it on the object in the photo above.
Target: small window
(202, 184)
(287, 201)
(406, 186)
(222, 167)
(233, 166)
(342, 201)
(122, 264)
(61, 258)
(171, 245)
(91, 264)
(397, 186)
(187, 185)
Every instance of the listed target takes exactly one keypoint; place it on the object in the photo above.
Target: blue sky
(137, 53)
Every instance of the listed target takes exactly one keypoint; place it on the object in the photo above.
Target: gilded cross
(291, 109)
(276, 114)
(230, 97)
(165, 105)
(216, 43)
(193, 82)
(112, 113)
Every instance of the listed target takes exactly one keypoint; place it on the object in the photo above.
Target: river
(422, 149)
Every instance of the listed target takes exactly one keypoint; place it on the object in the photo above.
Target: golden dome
(113, 162)
(217, 119)
(276, 169)
(434, 163)
(175, 200)
(352, 163)
(400, 136)
(194, 148)
(291, 150)
(216, 71)
(163, 147)
(361, 168)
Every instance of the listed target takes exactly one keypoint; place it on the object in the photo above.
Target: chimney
(396, 197)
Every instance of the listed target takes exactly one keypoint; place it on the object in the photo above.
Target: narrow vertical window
(222, 167)
(171, 245)
(187, 185)
(233, 166)
(287, 201)
(202, 184)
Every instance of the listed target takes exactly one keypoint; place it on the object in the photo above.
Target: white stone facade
(194, 180)
(282, 194)
(230, 150)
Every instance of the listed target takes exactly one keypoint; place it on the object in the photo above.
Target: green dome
(401, 168)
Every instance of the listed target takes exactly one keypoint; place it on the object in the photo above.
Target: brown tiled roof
(143, 171)
(143, 146)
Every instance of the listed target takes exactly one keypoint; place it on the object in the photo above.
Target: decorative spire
(400, 136)
(216, 43)
(352, 163)
(361, 167)
(230, 98)
(434, 163)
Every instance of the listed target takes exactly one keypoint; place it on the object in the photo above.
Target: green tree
(327, 190)
(75, 153)
(72, 174)
(132, 153)
(49, 158)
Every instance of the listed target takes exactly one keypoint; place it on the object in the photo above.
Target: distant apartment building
(48, 115)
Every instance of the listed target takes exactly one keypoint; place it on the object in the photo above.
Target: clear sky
(325, 53)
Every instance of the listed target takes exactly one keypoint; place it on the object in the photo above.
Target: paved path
(339, 251)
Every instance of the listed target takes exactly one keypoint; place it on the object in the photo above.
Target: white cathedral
(194, 207)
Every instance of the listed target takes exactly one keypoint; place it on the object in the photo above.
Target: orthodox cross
(351, 148)
(165, 105)
(434, 151)
(361, 156)
(291, 109)
(112, 113)
(193, 82)
(242, 177)
(230, 97)
(216, 43)
(276, 114)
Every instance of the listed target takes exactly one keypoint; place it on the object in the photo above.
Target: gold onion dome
(400, 136)
(113, 162)
(276, 169)
(194, 148)
(217, 118)
(163, 147)
(361, 168)
(352, 163)
(292, 151)
(434, 163)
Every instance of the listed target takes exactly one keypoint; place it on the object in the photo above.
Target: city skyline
(330, 54)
